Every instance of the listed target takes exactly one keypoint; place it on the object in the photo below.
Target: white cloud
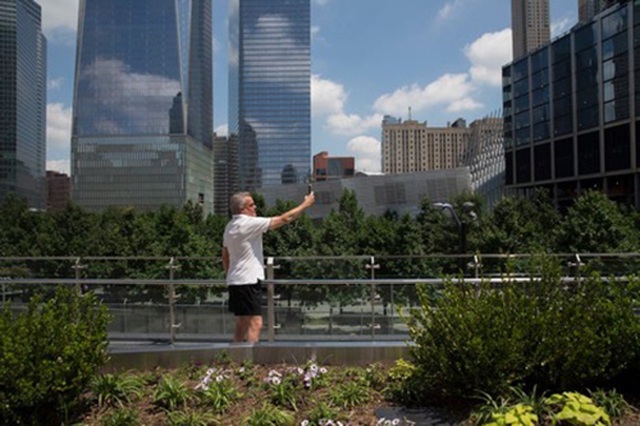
(62, 166)
(60, 20)
(222, 130)
(559, 27)
(58, 14)
(58, 129)
(448, 9)
(445, 91)
(143, 99)
(58, 137)
(352, 124)
(366, 150)
(327, 97)
(54, 83)
(488, 54)
(315, 30)
(320, 2)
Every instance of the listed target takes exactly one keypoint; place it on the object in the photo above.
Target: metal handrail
(79, 264)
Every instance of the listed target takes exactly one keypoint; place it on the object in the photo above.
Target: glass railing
(345, 298)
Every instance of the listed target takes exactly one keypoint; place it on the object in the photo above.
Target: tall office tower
(142, 132)
(572, 112)
(23, 103)
(529, 25)
(225, 172)
(270, 90)
(588, 9)
(411, 146)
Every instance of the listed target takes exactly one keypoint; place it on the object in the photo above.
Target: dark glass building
(572, 111)
(142, 131)
(23, 102)
(270, 90)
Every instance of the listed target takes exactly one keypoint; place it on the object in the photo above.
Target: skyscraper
(588, 9)
(529, 25)
(270, 90)
(143, 112)
(23, 85)
(572, 112)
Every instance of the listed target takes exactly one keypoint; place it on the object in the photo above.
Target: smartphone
(309, 189)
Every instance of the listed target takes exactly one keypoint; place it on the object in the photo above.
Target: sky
(437, 60)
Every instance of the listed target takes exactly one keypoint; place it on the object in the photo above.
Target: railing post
(577, 265)
(476, 265)
(271, 315)
(172, 266)
(78, 273)
(373, 266)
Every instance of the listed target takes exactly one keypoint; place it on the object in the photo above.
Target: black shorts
(245, 299)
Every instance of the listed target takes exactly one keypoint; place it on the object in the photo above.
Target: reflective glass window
(615, 46)
(563, 155)
(614, 23)
(617, 148)
(588, 153)
(585, 36)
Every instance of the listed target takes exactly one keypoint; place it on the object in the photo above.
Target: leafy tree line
(515, 225)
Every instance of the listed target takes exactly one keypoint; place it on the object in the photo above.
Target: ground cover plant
(226, 393)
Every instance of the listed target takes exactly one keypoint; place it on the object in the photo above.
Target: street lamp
(462, 229)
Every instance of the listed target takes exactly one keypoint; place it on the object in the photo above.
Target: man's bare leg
(242, 326)
(255, 325)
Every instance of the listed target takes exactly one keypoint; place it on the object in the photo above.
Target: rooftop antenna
(409, 113)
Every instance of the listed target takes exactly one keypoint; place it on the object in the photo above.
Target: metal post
(78, 273)
(271, 316)
(373, 266)
(172, 266)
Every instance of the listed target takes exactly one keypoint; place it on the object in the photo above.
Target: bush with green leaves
(120, 389)
(547, 332)
(171, 393)
(268, 414)
(48, 355)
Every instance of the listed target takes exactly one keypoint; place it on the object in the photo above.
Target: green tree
(595, 224)
(520, 225)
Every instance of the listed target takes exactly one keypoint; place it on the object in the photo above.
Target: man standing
(243, 260)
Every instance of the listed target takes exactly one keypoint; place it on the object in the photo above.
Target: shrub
(111, 389)
(546, 332)
(48, 355)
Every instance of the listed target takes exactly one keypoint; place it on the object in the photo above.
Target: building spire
(409, 113)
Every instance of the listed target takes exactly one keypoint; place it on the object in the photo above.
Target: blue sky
(441, 58)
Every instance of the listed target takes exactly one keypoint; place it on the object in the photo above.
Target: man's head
(242, 203)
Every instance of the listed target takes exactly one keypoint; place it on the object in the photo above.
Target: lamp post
(462, 228)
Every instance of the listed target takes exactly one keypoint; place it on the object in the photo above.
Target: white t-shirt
(243, 240)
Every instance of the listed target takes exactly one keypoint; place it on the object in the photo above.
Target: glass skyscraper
(270, 90)
(23, 88)
(142, 131)
(572, 111)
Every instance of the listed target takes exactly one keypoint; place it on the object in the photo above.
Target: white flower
(274, 373)
(276, 380)
(305, 422)
(323, 370)
(210, 371)
(241, 370)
